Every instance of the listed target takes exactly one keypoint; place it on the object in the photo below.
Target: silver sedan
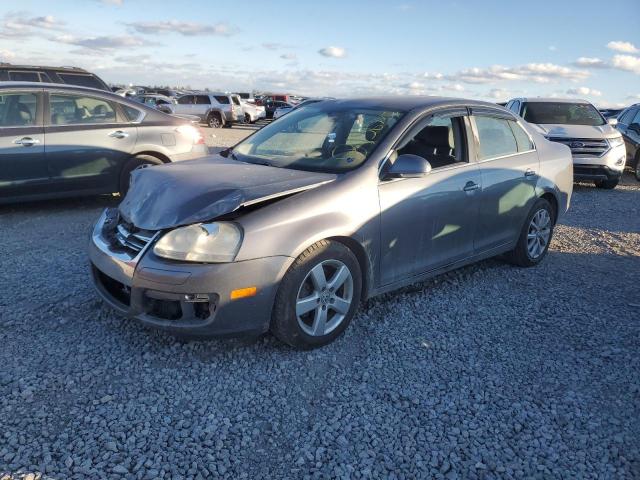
(292, 228)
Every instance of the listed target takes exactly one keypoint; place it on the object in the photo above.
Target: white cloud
(102, 43)
(624, 47)
(22, 24)
(112, 2)
(288, 56)
(6, 55)
(188, 29)
(584, 91)
(535, 72)
(499, 94)
(334, 52)
(628, 63)
(591, 62)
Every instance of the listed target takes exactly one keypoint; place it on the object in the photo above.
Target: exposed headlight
(616, 141)
(203, 242)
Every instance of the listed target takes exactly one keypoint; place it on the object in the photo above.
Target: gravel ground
(488, 372)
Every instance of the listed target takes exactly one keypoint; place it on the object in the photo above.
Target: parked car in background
(597, 147)
(610, 112)
(252, 112)
(64, 75)
(629, 126)
(271, 106)
(213, 108)
(282, 110)
(59, 140)
(155, 101)
(293, 227)
(167, 92)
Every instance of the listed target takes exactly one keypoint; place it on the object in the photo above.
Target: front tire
(608, 184)
(535, 236)
(318, 296)
(140, 161)
(636, 171)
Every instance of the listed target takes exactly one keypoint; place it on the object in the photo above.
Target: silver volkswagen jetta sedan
(293, 227)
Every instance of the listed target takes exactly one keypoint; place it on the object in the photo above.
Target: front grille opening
(165, 309)
(124, 236)
(119, 291)
(584, 147)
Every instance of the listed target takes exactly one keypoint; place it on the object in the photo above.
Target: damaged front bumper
(187, 299)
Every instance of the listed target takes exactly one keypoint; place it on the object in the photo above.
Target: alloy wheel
(324, 298)
(539, 233)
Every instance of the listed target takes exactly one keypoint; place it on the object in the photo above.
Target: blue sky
(492, 49)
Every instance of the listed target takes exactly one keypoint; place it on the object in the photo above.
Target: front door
(87, 143)
(509, 166)
(23, 168)
(430, 222)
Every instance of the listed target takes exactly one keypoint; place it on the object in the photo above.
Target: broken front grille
(584, 147)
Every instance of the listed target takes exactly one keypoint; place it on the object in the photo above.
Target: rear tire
(533, 234)
(332, 296)
(140, 161)
(214, 120)
(609, 184)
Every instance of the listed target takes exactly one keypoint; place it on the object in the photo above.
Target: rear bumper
(186, 299)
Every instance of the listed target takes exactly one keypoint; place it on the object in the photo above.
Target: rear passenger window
(18, 109)
(24, 76)
(495, 137)
(79, 110)
(522, 139)
(186, 100)
(203, 100)
(223, 99)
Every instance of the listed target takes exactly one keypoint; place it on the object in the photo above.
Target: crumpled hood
(182, 193)
(578, 131)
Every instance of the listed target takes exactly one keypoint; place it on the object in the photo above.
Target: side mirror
(409, 166)
(612, 121)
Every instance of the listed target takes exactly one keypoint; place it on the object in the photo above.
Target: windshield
(323, 137)
(562, 113)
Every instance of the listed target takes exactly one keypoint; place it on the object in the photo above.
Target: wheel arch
(152, 153)
(551, 198)
(363, 260)
(217, 111)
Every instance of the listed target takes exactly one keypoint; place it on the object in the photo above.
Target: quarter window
(18, 109)
(222, 99)
(522, 139)
(81, 80)
(80, 110)
(495, 137)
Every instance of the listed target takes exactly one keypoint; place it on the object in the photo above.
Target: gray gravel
(488, 372)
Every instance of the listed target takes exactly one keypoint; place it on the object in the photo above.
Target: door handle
(119, 134)
(26, 141)
(471, 186)
(529, 173)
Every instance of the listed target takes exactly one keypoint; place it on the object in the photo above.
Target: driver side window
(441, 141)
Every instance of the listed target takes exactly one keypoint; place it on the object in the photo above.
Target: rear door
(88, 141)
(23, 169)
(509, 166)
(202, 105)
(184, 105)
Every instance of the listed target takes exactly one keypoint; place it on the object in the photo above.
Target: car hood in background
(182, 193)
(578, 131)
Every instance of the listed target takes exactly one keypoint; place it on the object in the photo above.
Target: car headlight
(203, 242)
(616, 141)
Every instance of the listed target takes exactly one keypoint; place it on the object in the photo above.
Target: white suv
(214, 109)
(598, 149)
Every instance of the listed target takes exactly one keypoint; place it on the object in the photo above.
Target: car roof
(410, 102)
(44, 85)
(552, 100)
(42, 67)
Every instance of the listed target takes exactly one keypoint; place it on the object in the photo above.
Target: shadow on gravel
(60, 205)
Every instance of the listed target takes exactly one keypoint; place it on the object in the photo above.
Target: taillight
(194, 133)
